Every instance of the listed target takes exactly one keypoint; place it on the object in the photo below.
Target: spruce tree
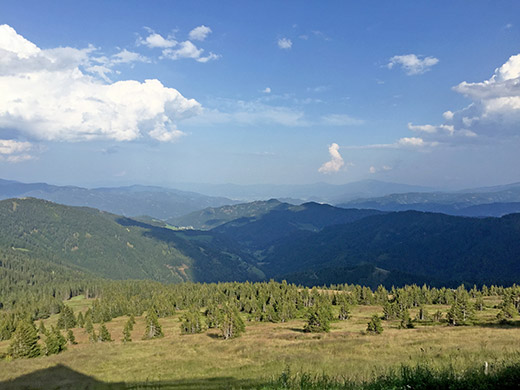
(231, 324)
(191, 322)
(70, 337)
(24, 343)
(374, 325)
(127, 337)
(42, 329)
(66, 320)
(55, 342)
(104, 334)
(406, 321)
(153, 328)
(318, 318)
(81, 320)
(89, 327)
(344, 311)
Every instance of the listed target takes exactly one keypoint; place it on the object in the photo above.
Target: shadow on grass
(61, 377)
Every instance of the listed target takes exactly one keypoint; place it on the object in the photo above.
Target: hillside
(115, 247)
(258, 233)
(212, 217)
(432, 247)
(157, 202)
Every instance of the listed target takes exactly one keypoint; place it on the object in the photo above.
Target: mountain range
(311, 244)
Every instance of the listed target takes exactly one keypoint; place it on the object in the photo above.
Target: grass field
(265, 351)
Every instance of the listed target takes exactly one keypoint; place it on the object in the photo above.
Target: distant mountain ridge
(481, 202)
(157, 202)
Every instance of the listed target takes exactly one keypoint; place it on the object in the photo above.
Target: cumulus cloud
(199, 33)
(175, 50)
(154, 40)
(412, 64)
(284, 43)
(494, 111)
(336, 161)
(266, 90)
(50, 95)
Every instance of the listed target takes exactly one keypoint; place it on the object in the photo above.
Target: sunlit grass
(266, 349)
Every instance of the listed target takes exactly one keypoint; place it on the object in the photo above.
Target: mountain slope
(434, 247)
(258, 233)
(157, 202)
(212, 217)
(115, 247)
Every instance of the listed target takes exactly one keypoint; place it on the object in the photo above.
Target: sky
(280, 92)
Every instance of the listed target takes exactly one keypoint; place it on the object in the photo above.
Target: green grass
(267, 349)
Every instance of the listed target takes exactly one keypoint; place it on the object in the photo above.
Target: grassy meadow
(266, 350)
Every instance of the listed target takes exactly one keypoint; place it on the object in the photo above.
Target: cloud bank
(54, 94)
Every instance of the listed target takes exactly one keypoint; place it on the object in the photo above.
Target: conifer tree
(406, 321)
(70, 337)
(89, 327)
(318, 317)
(24, 343)
(42, 329)
(191, 322)
(153, 328)
(127, 337)
(231, 324)
(344, 311)
(374, 325)
(55, 342)
(81, 320)
(104, 334)
(131, 322)
(66, 320)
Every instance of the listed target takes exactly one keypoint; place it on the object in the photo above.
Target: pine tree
(24, 343)
(344, 311)
(231, 324)
(127, 337)
(318, 318)
(89, 327)
(70, 337)
(104, 334)
(55, 342)
(153, 328)
(406, 321)
(42, 329)
(81, 320)
(374, 325)
(131, 322)
(191, 322)
(66, 320)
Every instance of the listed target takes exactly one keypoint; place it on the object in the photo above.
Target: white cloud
(14, 151)
(126, 57)
(336, 161)
(46, 95)
(413, 64)
(402, 143)
(372, 170)
(340, 120)
(187, 49)
(284, 43)
(154, 40)
(494, 111)
(199, 33)
(431, 129)
(266, 90)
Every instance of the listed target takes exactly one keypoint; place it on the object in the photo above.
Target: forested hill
(115, 247)
(436, 248)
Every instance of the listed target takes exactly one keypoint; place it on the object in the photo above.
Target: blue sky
(164, 92)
